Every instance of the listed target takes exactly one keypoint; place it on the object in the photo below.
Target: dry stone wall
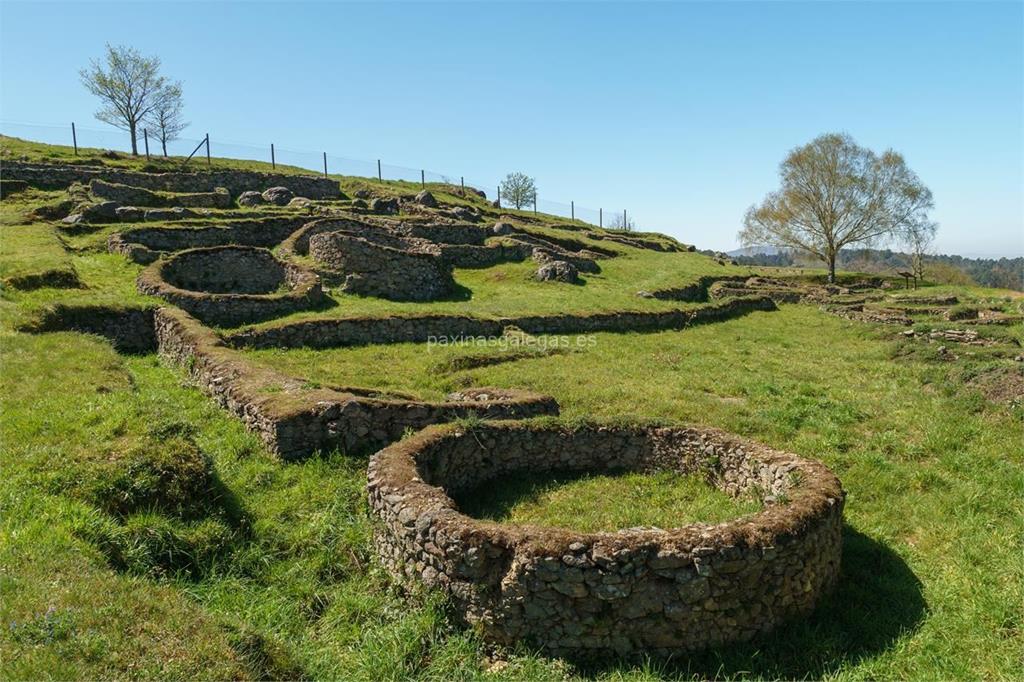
(231, 285)
(356, 331)
(52, 176)
(146, 244)
(649, 591)
(130, 330)
(296, 420)
(374, 269)
(139, 196)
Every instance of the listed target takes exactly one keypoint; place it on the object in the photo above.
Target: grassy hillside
(145, 534)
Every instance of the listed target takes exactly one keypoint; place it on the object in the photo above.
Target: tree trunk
(135, 141)
(163, 143)
(831, 268)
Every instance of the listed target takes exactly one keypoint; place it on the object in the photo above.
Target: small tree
(835, 193)
(518, 189)
(129, 86)
(166, 118)
(622, 222)
(919, 237)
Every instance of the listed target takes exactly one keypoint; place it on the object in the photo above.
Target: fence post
(600, 217)
(423, 179)
(625, 222)
(499, 196)
(273, 160)
(462, 181)
(145, 139)
(208, 163)
(74, 137)
(379, 176)
(572, 209)
(325, 164)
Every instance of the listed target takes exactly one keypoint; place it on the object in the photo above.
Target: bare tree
(518, 189)
(166, 118)
(622, 222)
(129, 86)
(919, 237)
(835, 193)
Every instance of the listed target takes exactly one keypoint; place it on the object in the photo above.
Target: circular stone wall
(228, 270)
(632, 591)
(231, 285)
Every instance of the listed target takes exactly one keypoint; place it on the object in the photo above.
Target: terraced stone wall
(332, 333)
(146, 244)
(50, 176)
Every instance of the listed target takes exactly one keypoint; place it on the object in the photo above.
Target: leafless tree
(166, 119)
(919, 237)
(518, 189)
(835, 193)
(622, 222)
(128, 85)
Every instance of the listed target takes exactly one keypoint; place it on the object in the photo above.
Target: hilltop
(198, 367)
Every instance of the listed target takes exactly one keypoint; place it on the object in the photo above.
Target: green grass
(510, 290)
(590, 503)
(145, 534)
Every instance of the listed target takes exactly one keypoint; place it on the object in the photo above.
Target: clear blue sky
(678, 112)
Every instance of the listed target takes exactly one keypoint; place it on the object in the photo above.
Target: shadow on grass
(877, 601)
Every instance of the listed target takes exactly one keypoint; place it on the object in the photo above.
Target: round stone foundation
(648, 590)
(231, 285)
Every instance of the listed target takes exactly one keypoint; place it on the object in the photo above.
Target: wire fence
(82, 138)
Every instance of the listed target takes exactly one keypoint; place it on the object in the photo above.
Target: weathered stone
(250, 198)
(279, 196)
(425, 198)
(558, 271)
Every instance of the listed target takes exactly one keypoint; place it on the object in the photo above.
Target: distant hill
(1003, 273)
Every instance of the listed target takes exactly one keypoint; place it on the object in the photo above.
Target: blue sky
(678, 112)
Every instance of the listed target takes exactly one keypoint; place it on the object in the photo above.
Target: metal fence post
(379, 176)
(600, 217)
(325, 164)
(572, 209)
(74, 137)
(273, 159)
(208, 162)
(499, 196)
(462, 181)
(534, 203)
(423, 179)
(625, 221)
(145, 139)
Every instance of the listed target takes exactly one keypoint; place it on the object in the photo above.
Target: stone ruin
(645, 590)
(373, 268)
(231, 285)
(633, 591)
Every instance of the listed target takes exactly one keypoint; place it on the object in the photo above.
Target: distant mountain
(1003, 273)
(765, 250)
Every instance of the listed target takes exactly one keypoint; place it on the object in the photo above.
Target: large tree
(166, 119)
(129, 86)
(518, 189)
(835, 193)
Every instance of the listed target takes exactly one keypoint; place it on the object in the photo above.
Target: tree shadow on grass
(877, 601)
